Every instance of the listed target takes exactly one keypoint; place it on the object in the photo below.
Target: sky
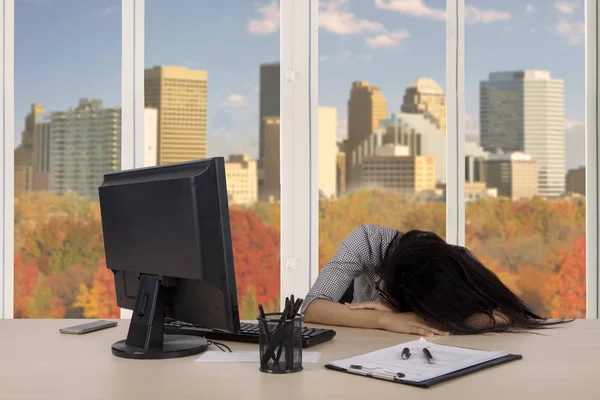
(69, 49)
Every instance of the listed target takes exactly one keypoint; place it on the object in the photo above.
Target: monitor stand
(146, 338)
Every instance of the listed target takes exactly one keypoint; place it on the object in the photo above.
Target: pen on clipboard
(372, 372)
(428, 355)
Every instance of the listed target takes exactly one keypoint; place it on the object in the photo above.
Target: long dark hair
(446, 284)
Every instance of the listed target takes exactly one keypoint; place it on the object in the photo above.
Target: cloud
(575, 144)
(234, 100)
(415, 8)
(109, 10)
(572, 123)
(418, 8)
(476, 16)
(269, 21)
(574, 32)
(388, 39)
(346, 55)
(566, 7)
(342, 131)
(530, 8)
(334, 18)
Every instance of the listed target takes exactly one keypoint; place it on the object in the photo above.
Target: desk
(36, 362)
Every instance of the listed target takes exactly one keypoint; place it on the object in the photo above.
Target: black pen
(405, 353)
(428, 355)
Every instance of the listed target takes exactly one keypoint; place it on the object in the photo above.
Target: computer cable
(218, 345)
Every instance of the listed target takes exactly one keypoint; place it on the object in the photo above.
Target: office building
(41, 173)
(271, 187)
(150, 137)
(425, 97)
(476, 190)
(268, 106)
(25, 155)
(366, 108)
(328, 151)
(85, 144)
(422, 137)
(393, 168)
(475, 158)
(340, 173)
(242, 183)
(268, 102)
(514, 175)
(179, 95)
(575, 181)
(523, 111)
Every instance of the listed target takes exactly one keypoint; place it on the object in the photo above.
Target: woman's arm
(371, 316)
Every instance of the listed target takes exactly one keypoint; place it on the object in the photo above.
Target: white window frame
(7, 164)
(455, 127)
(132, 89)
(592, 108)
(298, 148)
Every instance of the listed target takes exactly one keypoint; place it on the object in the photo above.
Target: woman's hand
(379, 305)
(407, 323)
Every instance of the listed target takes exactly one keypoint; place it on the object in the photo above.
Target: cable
(218, 345)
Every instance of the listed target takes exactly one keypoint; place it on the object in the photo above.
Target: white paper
(417, 368)
(248, 356)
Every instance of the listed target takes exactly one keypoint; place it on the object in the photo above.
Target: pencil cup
(280, 343)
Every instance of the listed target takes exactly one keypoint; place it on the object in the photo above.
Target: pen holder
(280, 343)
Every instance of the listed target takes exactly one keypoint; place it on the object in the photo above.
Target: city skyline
(371, 39)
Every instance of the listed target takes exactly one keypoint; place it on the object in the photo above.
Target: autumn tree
(99, 301)
(26, 280)
(256, 259)
(570, 283)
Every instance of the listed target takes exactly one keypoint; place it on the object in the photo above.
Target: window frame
(592, 108)
(7, 164)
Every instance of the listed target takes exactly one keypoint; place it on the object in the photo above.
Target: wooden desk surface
(36, 362)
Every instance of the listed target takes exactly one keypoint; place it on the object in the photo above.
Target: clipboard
(434, 380)
(443, 378)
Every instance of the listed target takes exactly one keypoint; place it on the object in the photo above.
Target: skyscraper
(180, 95)
(327, 151)
(26, 157)
(271, 189)
(425, 97)
(268, 103)
(523, 111)
(85, 144)
(366, 107)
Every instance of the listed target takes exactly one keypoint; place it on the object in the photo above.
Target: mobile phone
(88, 327)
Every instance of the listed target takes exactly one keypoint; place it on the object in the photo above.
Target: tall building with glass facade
(85, 143)
(523, 111)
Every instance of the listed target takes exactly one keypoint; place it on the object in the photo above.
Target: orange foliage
(256, 256)
(26, 280)
(570, 284)
(100, 300)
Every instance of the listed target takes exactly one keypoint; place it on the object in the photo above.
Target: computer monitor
(167, 239)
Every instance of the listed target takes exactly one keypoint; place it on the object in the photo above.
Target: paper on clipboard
(417, 368)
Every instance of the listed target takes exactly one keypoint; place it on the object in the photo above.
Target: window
(67, 101)
(525, 149)
(218, 95)
(382, 119)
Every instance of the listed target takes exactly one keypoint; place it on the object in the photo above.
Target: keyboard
(248, 333)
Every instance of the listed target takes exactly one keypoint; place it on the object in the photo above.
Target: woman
(414, 283)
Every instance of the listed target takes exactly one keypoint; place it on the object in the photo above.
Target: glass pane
(212, 90)
(525, 175)
(382, 118)
(68, 134)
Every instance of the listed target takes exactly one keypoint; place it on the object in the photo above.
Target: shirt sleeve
(348, 263)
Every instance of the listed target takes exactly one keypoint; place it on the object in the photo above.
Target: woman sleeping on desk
(414, 283)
